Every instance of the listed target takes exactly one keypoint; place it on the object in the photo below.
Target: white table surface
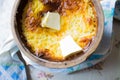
(111, 66)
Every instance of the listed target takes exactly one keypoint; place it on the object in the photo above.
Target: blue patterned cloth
(11, 68)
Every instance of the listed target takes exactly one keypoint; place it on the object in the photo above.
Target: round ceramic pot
(16, 29)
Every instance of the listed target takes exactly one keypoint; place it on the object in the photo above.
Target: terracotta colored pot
(16, 24)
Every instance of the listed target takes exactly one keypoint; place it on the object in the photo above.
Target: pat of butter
(69, 46)
(51, 20)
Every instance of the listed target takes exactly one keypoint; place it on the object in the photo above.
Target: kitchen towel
(11, 68)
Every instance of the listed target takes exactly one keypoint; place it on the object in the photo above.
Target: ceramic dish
(16, 29)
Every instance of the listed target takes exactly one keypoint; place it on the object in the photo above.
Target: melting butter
(51, 20)
(69, 46)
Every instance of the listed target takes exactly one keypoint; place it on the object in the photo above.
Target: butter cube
(69, 46)
(51, 20)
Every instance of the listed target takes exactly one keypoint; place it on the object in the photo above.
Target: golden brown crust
(44, 42)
